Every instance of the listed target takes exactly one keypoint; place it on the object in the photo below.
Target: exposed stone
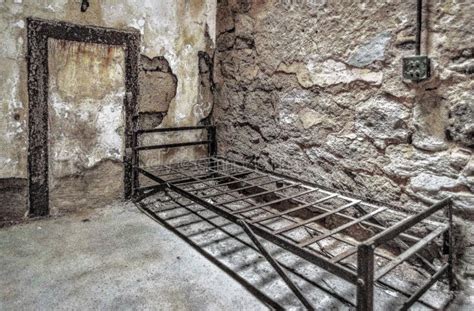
(226, 41)
(469, 169)
(371, 51)
(430, 119)
(466, 67)
(309, 117)
(432, 183)
(318, 93)
(461, 126)
(157, 85)
(353, 153)
(383, 121)
(244, 25)
(330, 72)
(460, 158)
(407, 161)
(464, 201)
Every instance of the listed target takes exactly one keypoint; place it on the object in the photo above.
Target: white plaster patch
(110, 120)
(331, 72)
(371, 51)
(20, 24)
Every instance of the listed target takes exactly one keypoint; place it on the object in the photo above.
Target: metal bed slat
(239, 189)
(341, 228)
(342, 215)
(258, 194)
(165, 146)
(337, 238)
(295, 209)
(365, 223)
(409, 252)
(316, 218)
(277, 201)
(226, 183)
(216, 166)
(310, 256)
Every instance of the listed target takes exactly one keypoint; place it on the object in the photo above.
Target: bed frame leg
(294, 288)
(448, 241)
(365, 279)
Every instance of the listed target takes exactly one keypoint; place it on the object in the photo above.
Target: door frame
(38, 33)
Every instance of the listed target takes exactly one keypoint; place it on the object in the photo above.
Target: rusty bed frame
(257, 199)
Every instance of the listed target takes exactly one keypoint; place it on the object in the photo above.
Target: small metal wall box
(416, 68)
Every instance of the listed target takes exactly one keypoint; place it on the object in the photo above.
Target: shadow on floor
(228, 247)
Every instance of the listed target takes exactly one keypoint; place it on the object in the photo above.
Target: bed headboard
(211, 141)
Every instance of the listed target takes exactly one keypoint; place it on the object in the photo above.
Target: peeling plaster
(169, 28)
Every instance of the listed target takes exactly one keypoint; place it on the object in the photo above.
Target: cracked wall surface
(175, 32)
(86, 124)
(315, 89)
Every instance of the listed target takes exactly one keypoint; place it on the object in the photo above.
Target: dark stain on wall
(13, 198)
(206, 85)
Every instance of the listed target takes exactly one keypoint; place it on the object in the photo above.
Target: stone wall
(173, 36)
(315, 89)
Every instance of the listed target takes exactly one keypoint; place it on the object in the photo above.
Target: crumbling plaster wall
(172, 31)
(315, 89)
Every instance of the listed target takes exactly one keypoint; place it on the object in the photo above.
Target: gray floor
(112, 258)
(118, 258)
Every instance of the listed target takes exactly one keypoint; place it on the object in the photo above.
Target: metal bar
(403, 225)
(341, 228)
(293, 220)
(425, 287)
(227, 183)
(322, 189)
(294, 288)
(211, 137)
(343, 195)
(152, 147)
(365, 277)
(451, 247)
(313, 219)
(258, 194)
(239, 189)
(344, 255)
(291, 210)
(173, 129)
(231, 272)
(170, 169)
(409, 253)
(419, 10)
(145, 188)
(248, 209)
(135, 158)
(220, 177)
(310, 256)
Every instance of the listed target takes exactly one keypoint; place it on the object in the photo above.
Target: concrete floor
(119, 258)
(114, 258)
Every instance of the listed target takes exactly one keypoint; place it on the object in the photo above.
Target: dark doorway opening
(38, 33)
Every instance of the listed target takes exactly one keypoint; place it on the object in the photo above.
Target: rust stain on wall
(86, 122)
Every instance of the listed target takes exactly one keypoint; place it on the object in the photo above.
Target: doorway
(39, 33)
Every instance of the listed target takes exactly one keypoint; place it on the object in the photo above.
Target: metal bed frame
(300, 217)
